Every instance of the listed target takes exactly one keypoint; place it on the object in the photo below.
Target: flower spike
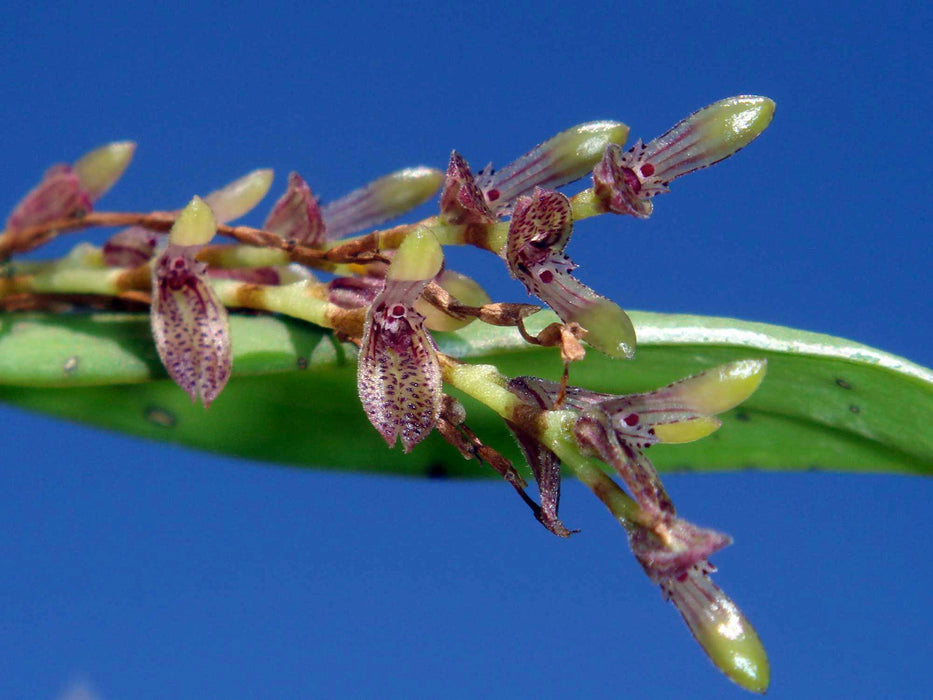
(540, 228)
(189, 323)
(398, 373)
(626, 181)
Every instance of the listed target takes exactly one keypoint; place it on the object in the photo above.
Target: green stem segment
(552, 428)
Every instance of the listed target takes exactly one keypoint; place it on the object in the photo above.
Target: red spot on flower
(647, 170)
(631, 419)
(492, 195)
(398, 311)
(546, 276)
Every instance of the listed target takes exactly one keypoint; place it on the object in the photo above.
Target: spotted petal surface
(398, 375)
(189, 325)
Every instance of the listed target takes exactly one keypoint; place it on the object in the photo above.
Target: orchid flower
(538, 232)
(189, 323)
(626, 181)
(398, 375)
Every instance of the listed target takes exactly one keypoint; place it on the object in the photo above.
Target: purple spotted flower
(487, 196)
(618, 429)
(189, 322)
(398, 373)
(538, 233)
(626, 181)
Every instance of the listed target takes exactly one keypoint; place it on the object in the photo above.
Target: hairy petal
(595, 436)
(189, 324)
(59, 195)
(296, 215)
(684, 546)
(540, 228)
(398, 374)
(462, 201)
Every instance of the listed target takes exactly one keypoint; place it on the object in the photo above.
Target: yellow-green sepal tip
(195, 225)
(240, 196)
(99, 169)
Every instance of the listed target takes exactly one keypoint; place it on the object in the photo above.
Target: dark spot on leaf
(742, 416)
(843, 383)
(160, 417)
(854, 409)
(436, 470)
(302, 362)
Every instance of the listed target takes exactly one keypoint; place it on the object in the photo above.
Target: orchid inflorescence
(388, 289)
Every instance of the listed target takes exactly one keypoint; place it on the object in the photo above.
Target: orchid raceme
(389, 301)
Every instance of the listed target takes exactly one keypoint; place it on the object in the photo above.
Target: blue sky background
(143, 570)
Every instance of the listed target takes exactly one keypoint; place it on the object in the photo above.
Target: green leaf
(826, 403)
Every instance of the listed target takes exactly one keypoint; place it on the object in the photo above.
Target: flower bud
(240, 196)
(382, 199)
(98, 170)
(194, 226)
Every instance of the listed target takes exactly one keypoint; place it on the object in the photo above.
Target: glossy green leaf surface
(826, 403)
